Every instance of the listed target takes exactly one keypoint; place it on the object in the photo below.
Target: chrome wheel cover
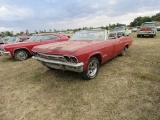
(21, 55)
(92, 68)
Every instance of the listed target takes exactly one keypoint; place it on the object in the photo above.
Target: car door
(108, 51)
(116, 46)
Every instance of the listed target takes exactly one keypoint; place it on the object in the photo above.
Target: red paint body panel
(85, 49)
(28, 45)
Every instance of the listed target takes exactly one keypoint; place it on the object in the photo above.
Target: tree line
(139, 20)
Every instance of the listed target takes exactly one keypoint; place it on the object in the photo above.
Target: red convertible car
(84, 52)
(22, 50)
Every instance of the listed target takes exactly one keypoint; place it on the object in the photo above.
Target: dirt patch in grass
(126, 88)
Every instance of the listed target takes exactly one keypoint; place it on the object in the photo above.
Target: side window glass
(55, 37)
(49, 37)
(112, 35)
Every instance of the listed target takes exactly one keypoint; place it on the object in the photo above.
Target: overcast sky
(22, 15)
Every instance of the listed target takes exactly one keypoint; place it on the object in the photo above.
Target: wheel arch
(127, 45)
(98, 56)
(29, 53)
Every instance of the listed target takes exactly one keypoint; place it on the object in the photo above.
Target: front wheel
(92, 69)
(152, 36)
(21, 55)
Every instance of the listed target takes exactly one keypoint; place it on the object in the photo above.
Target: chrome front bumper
(76, 67)
(5, 53)
(146, 33)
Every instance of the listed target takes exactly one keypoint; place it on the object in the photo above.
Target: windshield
(148, 25)
(34, 38)
(68, 32)
(118, 29)
(1, 41)
(42, 37)
(12, 40)
(89, 35)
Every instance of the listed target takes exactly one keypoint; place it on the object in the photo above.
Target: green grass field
(126, 88)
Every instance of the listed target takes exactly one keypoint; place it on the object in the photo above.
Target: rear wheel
(124, 51)
(92, 69)
(21, 55)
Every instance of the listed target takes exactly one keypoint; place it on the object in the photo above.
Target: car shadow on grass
(52, 75)
(65, 75)
(147, 37)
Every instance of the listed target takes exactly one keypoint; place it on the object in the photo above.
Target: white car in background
(158, 28)
(119, 31)
(134, 30)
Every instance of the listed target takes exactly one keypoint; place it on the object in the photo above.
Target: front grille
(145, 31)
(49, 57)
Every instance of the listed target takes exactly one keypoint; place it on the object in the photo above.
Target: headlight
(71, 59)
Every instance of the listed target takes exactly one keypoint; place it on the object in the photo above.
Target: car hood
(68, 47)
(146, 28)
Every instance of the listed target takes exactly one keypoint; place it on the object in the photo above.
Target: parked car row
(8, 39)
(67, 33)
(84, 52)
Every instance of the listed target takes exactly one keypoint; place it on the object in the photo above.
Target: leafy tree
(36, 32)
(6, 33)
(27, 32)
(21, 32)
(40, 31)
(156, 17)
(139, 20)
(50, 30)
